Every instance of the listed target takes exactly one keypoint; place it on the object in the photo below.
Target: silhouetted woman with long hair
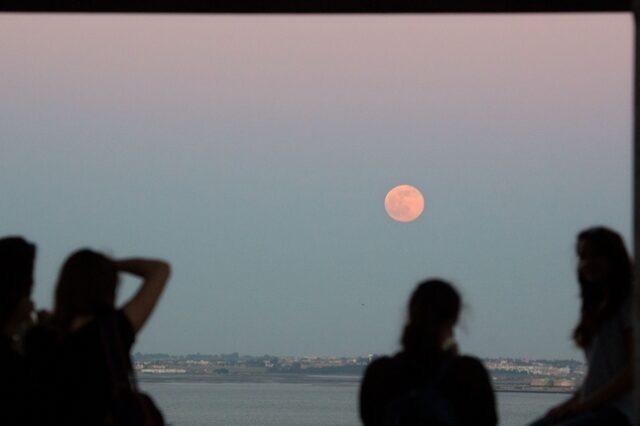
(93, 362)
(428, 382)
(603, 332)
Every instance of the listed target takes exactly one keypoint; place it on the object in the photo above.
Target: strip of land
(508, 374)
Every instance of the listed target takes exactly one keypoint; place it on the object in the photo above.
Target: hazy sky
(254, 153)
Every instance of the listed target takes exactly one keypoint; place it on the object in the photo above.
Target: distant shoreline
(249, 378)
(291, 379)
(550, 392)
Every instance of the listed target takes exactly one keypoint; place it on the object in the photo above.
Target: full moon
(404, 203)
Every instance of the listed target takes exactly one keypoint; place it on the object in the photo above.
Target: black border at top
(318, 6)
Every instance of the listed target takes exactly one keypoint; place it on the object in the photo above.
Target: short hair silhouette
(86, 286)
(605, 298)
(17, 257)
(433, 304)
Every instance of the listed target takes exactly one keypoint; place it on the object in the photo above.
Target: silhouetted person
(604, 333)
(94, 371)
(428, 376)
(17, 258)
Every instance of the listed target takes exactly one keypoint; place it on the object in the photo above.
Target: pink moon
(404, 203)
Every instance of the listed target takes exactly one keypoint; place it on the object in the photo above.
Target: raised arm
(154, 274)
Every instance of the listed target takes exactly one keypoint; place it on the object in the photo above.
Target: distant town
(508, 374)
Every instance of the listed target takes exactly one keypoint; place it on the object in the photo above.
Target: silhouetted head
(17, 257)
(604, 274)
(433, 311)
(86, 287)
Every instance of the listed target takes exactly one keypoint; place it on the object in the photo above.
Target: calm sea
(322, 402)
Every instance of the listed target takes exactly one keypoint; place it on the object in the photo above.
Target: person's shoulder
(468, 361)
(469, 367)
(383, 369)
(110, 318)
(380, 365)
(471, 392)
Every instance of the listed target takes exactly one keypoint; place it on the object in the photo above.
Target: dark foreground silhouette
(94, 375)
(604, 333)
(73, 367)
(17, 257)
(428, 383)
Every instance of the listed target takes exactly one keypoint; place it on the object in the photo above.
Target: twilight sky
(254, 153)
